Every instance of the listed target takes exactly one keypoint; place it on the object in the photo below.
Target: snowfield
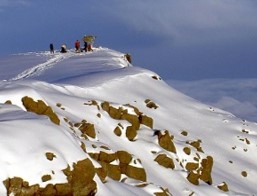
(92, 123)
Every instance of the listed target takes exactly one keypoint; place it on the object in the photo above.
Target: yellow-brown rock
(190, 166)
(185, 133)
(146, 120)
(8, 102)
(124, 157)
(105, 105)
(80, 182)
(46, 177)
(223, 187)
(16, 186)
(40, 108)
(187, 150)
(107, 158)
(63, 189)
(59, 105)
(94, 103)
(165, 141)
(88, 129)
(136, 173)
(48, 190)
(150, 104)
(94, 155)
(102, 173)
(133, 119)
(244, 173)
(112, 111)
(117, 131)
(83, 147)
(193, 178)
(105, 147)
(81, 178)
(206, 170)
(113, 171)
(115, 113)
(131, 132)
(164, 193)
(50, 156)
(197, 145)
(30, 190)
(165, 161)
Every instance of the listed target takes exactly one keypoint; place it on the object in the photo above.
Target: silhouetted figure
(63, 48)
(88, 42)
(51, 48)
(77, 46)
(128, 57)
(85, 46)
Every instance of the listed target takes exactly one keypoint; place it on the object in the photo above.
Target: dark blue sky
(178, 39)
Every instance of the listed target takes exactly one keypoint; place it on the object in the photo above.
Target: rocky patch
(122, 166)
(200, 171)
(50, 156)
(39, 107)
(134, 119)
(165, 161)
(166, 141)
(223, 187)
(150, 104)
(80, 182)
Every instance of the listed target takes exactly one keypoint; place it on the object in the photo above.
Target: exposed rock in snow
(91, 123)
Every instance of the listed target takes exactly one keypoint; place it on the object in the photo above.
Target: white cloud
(242, 109)
(190, 21)
(236, 96)
(7, 3)
(4, 3)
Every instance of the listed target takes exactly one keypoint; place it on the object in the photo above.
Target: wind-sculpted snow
(58, 66)
(38, 69)
(121, 129)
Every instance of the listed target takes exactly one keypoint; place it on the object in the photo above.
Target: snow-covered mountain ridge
(91, 123)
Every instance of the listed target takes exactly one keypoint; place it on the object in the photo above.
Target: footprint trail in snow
(38, 69)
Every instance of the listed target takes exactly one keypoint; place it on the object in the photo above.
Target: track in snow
(36, 70)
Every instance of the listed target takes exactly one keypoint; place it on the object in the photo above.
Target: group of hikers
(88, 45)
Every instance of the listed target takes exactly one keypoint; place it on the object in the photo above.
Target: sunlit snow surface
(75, 79)
(237, 96)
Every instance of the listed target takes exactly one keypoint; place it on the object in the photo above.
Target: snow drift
(91, 123)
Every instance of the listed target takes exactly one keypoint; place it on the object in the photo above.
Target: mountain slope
(96, 121)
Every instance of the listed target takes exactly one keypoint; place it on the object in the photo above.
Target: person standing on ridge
(63, 48)
(51, 48)
(88, 42)
(77, 46)
(85, 46)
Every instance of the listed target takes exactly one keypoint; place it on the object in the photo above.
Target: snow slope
(174, 145)
(237, 96)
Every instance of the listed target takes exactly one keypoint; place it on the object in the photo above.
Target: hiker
(63, 48)
(77, 46)
(89, 40)
(51, 48)
(128, 57)
(85, 46)
(89, 47)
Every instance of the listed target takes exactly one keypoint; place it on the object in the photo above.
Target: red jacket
(77, 44)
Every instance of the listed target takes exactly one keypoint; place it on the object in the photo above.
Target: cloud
(236, 96)
(7, 3)
(192, 39)
(244, 109)
(190, 21)
(179, 39)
